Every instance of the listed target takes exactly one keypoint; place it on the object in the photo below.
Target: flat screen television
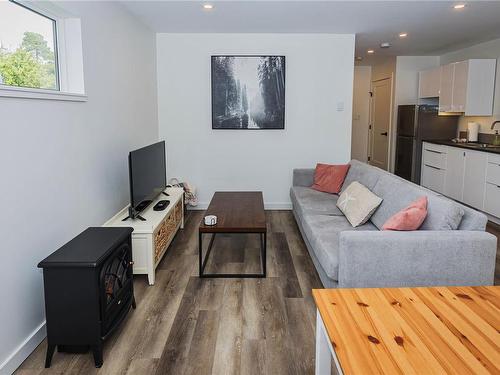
(148, 176)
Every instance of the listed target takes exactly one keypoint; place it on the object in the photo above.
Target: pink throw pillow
(329, 178)
(409, 218)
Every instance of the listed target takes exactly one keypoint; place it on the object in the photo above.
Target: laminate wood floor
(187, 325)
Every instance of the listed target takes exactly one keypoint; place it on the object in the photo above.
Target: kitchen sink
(481, 145)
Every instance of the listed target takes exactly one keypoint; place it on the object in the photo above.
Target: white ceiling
(433, 27)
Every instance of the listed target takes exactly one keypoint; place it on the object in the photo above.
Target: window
(28, 49)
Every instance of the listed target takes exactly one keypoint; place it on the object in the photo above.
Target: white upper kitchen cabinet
(460, 83)
(446, 88)
(428, 83)
(468, 87)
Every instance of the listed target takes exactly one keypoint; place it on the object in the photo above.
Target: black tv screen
(148, 176)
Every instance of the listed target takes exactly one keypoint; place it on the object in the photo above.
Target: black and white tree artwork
(248, 92)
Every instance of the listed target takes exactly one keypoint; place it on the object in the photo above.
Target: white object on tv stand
(159, 227)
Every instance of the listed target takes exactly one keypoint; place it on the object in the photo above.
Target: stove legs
(50, 353)
(97, 350)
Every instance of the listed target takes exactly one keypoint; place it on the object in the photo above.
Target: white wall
(361, 112)
(319, 74)
(487, 50)
(383, 68)
(406, 88)
(64, 164)
(407, 69)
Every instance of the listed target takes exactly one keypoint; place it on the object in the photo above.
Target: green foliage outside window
(31, 65)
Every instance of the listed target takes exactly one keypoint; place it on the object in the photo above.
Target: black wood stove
(88, 290)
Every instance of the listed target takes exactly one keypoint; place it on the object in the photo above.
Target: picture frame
(248, 92)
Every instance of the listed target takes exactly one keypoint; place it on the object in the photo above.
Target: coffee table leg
(204, 259)
(263, 250)
(200, 250)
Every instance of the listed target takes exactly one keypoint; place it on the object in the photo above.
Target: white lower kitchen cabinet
(433, 178)
(454, 175)
(492, 199)
(468, 176)
(434, 158)
(476, 163)
(492, 190)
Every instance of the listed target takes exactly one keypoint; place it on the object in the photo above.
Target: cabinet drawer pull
(430, 166)
(436, 152)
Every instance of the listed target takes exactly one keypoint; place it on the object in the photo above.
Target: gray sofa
(365, 256)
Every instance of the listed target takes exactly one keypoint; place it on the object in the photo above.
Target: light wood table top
(454, 330)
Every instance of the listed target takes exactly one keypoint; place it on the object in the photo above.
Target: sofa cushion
(363, 173)
(472, 219)
(409, 218)
(358, 203)
(329, 177)
(322, 232)
(442, 213)
(307, 200)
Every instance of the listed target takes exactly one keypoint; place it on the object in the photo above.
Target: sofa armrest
(303, 177)
(417, 258)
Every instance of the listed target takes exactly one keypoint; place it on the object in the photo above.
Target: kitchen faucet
(496, 140)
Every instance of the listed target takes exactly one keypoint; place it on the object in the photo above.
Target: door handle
(384, 133)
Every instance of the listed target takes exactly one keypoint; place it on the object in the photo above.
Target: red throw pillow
(329, 178)
(409, 218)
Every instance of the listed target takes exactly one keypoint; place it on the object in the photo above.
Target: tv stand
(133, 218)
(153, 232)
(132, 213)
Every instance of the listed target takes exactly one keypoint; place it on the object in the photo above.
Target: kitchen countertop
(468, 146)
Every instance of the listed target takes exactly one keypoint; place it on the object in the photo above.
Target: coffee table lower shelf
(204, 259)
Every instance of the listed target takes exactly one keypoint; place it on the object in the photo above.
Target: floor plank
(186, 325)
(201, 352)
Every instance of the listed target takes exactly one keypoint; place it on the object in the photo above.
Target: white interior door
(361, 113)
(381, 121)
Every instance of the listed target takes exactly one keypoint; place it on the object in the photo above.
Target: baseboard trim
(267, 206)
(22, 352)
(493, 219)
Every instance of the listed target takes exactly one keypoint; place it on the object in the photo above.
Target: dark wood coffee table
(237, 212)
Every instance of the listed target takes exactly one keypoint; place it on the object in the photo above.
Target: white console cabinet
(151, 238)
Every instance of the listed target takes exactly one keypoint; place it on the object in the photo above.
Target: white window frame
(69, 57)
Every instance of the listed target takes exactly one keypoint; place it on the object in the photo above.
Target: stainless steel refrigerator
(417, 123)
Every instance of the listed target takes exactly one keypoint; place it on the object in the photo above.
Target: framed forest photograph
(248, 92)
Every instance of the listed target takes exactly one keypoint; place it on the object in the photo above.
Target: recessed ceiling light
(370, 51)
(359, 58)
(385, 45)
(459, 6)
(403, 35)
(208, 6)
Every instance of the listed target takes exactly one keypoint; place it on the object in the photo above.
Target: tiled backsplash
(482, 137)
